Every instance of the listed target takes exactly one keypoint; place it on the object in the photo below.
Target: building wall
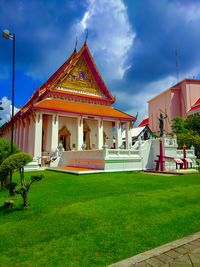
(161, 103)
(46, 132)
(193, 94)
(31, 137)
(71, 125)
(108, 130)
(92, 124)
(174, 102)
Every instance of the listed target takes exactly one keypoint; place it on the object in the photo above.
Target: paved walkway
(183, 252)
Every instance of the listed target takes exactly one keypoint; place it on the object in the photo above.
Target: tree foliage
(193, 123)
(178, 125)
(18, 161)
(5, 149)
(189, 138)
(187, 131)
(24, 188)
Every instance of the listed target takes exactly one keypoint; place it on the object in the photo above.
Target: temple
(72, 107)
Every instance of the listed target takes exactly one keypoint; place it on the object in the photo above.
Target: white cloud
(191, 12)
(5, 114)
(108, 22)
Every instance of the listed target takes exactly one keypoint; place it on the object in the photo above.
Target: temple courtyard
(97, 219)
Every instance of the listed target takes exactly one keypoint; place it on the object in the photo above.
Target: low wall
(141, 156)
(105, 159)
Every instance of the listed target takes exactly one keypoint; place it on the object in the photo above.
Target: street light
(9, 36)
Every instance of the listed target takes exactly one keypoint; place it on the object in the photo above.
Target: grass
(95, 220)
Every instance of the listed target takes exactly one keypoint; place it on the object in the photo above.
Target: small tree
(23, 189)
(18, 161)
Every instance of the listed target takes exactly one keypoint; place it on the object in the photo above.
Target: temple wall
(47, 133)
(92, 124)
(71, 125)
(31, 139)
(108, 129)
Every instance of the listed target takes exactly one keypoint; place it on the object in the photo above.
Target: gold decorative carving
(64, 131)
(85, 127)
(80, 78)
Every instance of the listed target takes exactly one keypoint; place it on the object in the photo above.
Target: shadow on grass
(6, 210)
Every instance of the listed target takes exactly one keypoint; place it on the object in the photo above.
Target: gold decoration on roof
(80, 78)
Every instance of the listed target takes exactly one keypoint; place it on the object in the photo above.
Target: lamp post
(9, 36)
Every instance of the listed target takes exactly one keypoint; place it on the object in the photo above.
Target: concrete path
(183, 252)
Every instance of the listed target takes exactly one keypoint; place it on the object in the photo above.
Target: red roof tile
(145, 122)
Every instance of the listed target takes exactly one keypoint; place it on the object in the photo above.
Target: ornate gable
(80, 79)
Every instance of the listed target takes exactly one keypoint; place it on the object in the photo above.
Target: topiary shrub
(24, 188)
(16, 161)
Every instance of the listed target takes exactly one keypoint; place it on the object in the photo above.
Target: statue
(161, 123)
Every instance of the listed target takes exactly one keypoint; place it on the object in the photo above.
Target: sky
(132, 42)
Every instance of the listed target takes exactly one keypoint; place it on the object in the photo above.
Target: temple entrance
(64, 136)
(86, 135)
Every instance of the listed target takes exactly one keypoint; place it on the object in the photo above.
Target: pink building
(175, 101)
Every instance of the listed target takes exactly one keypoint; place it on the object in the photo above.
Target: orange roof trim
(82, 109)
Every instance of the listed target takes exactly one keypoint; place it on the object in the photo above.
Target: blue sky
(133, 43)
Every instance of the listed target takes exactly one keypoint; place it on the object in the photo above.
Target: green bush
(18, 161)
(5, 149)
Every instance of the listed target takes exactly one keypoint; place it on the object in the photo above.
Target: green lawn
(95, 220)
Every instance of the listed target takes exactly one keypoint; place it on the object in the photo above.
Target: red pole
(161, 156)
(184, 157)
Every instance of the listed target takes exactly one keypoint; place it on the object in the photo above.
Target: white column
(99, 134)
(38, 136)
(118, 135)
(79, 133)
(128, 136)
(54, 132)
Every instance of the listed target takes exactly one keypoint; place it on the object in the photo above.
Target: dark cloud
(161, 27)
(46, 32)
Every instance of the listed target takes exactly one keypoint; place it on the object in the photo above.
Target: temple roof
(64, 106)
(195, 107)
(145, 122)
(79, 74)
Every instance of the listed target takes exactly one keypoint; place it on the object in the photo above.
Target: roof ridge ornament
(86, 37)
